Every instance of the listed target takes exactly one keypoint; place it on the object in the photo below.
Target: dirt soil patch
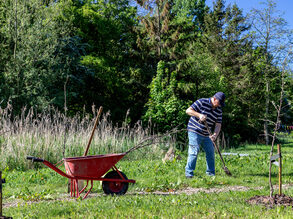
(276, 200)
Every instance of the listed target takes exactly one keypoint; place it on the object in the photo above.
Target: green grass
(48, 190)
(222, 205)
(35, 191)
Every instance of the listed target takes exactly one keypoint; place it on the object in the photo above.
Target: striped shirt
(204, 106)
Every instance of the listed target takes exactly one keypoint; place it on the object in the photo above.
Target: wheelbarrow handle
(34, 159)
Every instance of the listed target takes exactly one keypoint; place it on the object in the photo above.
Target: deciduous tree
(272, 35)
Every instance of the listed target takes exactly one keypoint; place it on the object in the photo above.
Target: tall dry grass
(52, 135)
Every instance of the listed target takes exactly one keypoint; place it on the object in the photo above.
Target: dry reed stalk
(42, 135)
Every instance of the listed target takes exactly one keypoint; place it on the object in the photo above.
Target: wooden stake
(280, 169)
(0, 194)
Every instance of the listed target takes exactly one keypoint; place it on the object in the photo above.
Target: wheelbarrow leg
(87, 182)
(76, 187)
(89, 189)
(71, 188)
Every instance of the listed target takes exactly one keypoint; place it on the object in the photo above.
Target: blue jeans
(195, 141)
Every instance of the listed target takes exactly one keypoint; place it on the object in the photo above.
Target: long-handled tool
(217, 148)
(80, 181)
(95, 126)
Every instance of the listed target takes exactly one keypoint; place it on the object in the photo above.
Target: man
(209, 110)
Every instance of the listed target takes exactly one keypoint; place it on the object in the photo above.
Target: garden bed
(276, 200)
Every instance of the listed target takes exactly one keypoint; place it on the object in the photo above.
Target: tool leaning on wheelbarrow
(218, 150)
(92, 168)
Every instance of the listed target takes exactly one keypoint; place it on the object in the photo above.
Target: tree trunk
(266, 132)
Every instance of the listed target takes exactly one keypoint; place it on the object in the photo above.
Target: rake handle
(93, 131)
(215, 145)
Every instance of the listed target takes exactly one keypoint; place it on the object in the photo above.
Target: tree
(107, 27)
(167, 25)
(167, 35)
(190, 9)
(3, 49)
(165, 109)
(271, 34)
(278, 107)
(225, 39)
(37, 54)
(156, 24)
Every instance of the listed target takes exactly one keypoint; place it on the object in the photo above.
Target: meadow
(161, 189)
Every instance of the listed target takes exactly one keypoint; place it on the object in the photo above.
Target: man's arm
(216, 131)
(191, 112)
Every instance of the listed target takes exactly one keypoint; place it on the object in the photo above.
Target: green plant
(28, 195)
(164, 108)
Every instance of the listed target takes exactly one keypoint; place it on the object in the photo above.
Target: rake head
(227, 171)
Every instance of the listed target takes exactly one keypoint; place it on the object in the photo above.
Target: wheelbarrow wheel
(111, 188)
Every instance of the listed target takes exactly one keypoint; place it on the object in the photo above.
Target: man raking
(209, 110)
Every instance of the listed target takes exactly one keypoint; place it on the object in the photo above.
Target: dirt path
(188, 191)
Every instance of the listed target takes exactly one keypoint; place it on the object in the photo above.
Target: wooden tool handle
(215, 145)
(93, 131)
(208, 128)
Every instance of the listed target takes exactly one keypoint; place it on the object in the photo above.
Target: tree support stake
(280, 169)
(1, 182)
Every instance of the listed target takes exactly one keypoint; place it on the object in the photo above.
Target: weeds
(51, 135)
(28, 194)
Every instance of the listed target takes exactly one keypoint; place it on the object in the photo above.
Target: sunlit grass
(199, 205)
(142, 200)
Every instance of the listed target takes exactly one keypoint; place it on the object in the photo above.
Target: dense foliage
(149, 58)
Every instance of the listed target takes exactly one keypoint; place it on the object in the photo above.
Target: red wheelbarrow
(92, 168)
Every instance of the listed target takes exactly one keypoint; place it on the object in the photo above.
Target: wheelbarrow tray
(91, 166)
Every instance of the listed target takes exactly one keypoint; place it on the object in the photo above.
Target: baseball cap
(221, 97)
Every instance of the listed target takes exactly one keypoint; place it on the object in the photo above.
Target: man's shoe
(189, 177)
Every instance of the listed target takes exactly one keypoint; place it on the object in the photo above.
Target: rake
(217, 148)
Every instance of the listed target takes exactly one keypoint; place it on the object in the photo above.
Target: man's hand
(202, 118)
(213, 137)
